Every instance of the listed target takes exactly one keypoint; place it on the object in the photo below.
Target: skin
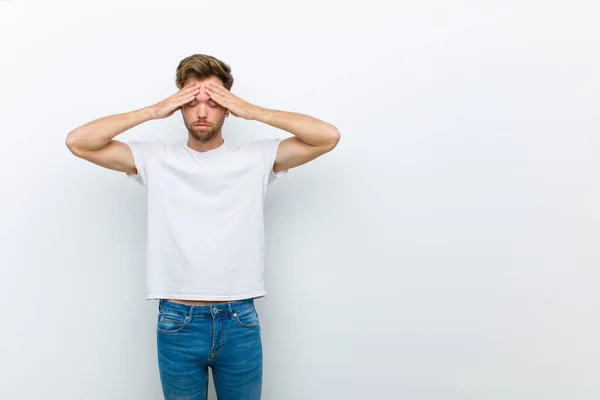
(212, 103)
(207, 101)
(204, 109)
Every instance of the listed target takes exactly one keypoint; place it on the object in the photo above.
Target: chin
(203, 137)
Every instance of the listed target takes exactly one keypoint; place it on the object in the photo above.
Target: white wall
(446, 249)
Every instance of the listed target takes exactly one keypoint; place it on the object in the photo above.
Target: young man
(205, 239)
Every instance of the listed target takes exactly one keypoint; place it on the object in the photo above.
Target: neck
(199, 145)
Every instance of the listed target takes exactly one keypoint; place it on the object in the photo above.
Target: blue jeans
(225, 337)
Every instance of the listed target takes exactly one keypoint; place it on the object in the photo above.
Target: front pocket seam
(239, 322)
(183, 325)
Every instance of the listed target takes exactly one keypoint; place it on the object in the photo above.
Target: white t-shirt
(205, 231)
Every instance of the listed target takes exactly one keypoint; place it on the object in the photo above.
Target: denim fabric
(225, 337)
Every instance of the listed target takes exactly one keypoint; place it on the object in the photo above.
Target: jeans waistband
(214, 309)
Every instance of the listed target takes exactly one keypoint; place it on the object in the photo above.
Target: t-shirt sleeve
(268, 150)
(145, 153)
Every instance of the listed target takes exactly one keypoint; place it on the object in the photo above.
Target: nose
(201, 111)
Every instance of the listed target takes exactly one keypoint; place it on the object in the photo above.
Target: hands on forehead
(204, 83)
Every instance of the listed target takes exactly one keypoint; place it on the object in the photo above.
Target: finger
(216, 87)
(185, 100)
(209, 90)
(216, 95)
(188, 93)
(191, 88)
(219, 99)
(220, 94)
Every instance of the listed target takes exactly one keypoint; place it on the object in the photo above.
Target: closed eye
(195, 103)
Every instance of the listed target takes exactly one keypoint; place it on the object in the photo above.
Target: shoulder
(149, 146)
(264, 147)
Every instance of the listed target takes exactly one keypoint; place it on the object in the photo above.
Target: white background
(448, 248)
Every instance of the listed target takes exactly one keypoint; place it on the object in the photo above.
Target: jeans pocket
(247, 318)
(170, 322)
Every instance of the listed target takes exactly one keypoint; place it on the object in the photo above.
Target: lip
(201, 125)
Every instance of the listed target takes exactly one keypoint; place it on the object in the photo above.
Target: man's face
(203, 110)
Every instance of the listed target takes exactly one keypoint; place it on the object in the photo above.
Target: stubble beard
(202, 135)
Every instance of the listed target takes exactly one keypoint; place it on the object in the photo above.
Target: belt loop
(189, 316)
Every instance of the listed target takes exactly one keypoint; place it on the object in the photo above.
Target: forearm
(98, 133)
(308, 129)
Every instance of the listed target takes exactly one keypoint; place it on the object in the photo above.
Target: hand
(167, 107)
(228, 100)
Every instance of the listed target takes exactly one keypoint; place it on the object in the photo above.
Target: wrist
(258, 113)
(148, 113)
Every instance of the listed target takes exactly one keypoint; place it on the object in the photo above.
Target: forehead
(204, 81)
(202, 96)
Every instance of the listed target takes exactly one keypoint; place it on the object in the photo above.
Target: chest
(217, 184)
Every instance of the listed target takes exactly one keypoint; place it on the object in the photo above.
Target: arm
(312, 137)
(98, 133)
(94, 140)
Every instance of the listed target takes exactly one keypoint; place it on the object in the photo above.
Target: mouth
(202, 125)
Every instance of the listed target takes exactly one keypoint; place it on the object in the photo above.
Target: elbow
(71, 142)
(335, 138)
